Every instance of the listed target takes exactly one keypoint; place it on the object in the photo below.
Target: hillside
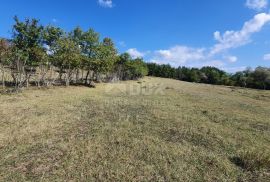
(152, 129)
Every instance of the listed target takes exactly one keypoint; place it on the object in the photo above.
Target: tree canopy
(36, 54)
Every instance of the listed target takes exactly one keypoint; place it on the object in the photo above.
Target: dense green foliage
(47, 55)
(130, 68)
(258, 78)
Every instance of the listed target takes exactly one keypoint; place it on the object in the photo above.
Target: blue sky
(229, 34)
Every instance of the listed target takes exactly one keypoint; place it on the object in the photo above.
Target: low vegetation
(149, 130)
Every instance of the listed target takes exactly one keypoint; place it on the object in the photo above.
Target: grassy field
(149, 130)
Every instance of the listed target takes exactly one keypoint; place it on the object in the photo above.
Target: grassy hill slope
(155, 129)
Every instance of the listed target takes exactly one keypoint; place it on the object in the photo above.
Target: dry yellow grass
(156, 129)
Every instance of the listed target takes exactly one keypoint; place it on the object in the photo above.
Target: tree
(106, 57)
(120, 63)
(214, 75)
(67, 57)
(77, 35)
(89, 47)
(261, 77)
(194, 75)
(134, 69)
(27, 41)
(51, 35)
(240, 79)
(5, 53)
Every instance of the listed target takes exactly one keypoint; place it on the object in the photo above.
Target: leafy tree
(67, 57)
(183, 73)
(106, 57)
(27, 41)
(261, 78)
(213, 75)
(240, 79)
(50, 37)
(194, 75)
(135, 69)
(77, 35)
(5, 53)
(120, 63)
(90, 47)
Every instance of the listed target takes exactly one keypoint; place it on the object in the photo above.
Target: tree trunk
(3, 78)
(60, 75)
(67, 81)
(77, 76)
(86, 78)
(39, 76)
(82, 75)
(27, 81)
(68, 76)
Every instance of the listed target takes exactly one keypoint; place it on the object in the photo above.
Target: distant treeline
(46, 55)
(258, 78)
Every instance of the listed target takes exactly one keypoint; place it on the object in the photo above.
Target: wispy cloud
(54, 20)
(215, 63)
(231, 59)
(105, 3)
(122, 44)
(216, 55)
(134, 53)
(266, 57)
(178, 55)
(234, 39)
(234, 69)
(257, 4)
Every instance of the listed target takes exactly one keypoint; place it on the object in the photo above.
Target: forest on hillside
(258, 78)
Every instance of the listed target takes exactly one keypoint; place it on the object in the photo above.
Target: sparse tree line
(258, 78)
(46, 55)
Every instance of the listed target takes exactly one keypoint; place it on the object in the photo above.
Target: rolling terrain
(153, 129)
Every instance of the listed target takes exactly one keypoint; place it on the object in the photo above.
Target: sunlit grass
(155, 129)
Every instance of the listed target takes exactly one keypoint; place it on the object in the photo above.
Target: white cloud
(105, 3)
(266, 57)
(234, 39)
(134, 53)
(257, 4)
(231, 59)
(122, 44)
(234, 69)
(178, 55)
(54, 20)
(183, 55)
(213, 63)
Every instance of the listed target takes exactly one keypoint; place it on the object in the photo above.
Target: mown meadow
(153, 129)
